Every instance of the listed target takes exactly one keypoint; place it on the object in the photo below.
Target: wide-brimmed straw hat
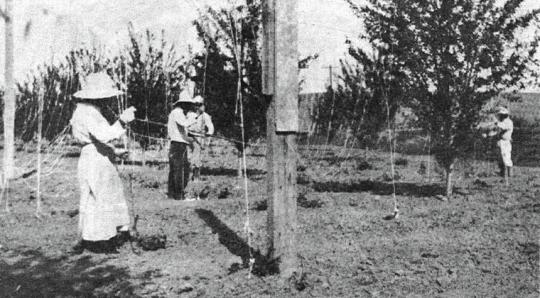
(502, 111)
(198, 100)
(184, 97)
(96, 86)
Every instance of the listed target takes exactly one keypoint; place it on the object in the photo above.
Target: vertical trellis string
(235, 34)
(39, 138)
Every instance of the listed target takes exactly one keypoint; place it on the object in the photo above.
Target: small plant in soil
(305, 203)
(387, 177)
(303, 179)
(480, 183)
(260, 205)
(152, 242)
(300, 281)
(401, 161)
(300, 167)
(423, 169)
(224, 193)
(363, 165)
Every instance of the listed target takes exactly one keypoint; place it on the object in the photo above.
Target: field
(483, 242)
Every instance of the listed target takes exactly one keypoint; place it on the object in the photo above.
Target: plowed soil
(483, 242)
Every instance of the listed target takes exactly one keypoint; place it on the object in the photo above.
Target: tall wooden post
(9, 95)
(280, 84)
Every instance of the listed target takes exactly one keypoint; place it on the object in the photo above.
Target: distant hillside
(527, 109)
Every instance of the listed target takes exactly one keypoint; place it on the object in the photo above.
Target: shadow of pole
(238, 246)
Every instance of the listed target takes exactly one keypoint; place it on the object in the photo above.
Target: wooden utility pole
(280, 84)
(9, 95)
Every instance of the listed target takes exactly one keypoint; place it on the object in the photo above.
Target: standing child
(200, 128)
(504, 127)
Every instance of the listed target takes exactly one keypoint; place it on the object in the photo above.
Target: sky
(60, 25)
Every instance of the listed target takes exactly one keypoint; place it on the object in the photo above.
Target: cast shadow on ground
(379, 188)
(238, 246)
(222, 171)
(35, 275)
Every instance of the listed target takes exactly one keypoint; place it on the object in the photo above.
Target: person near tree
(177, 128)
(103, 210)
(203, 126)
(504, 128)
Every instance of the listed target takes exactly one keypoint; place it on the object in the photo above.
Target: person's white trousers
(505, 147)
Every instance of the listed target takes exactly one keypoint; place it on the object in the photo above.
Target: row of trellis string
(53, 155)
(50, 159)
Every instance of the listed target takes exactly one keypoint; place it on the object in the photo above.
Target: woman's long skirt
(103, 207)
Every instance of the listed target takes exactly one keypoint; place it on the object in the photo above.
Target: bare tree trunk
(449, 182)
(9, 96)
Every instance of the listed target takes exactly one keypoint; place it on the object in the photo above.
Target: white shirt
(89, 126)
(177, 126)
(508, 127)
(202, 122)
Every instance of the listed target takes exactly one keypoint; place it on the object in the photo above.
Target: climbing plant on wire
(457, 55)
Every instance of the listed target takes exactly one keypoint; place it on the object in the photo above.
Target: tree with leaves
(457, 54)
(229, 70)
(366, 99)
(153, 73)
(231, 59)
(231, 56)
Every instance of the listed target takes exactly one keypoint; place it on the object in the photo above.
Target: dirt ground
(483, 242)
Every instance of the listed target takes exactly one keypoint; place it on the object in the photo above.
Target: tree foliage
(367, 97)
(153, 73)
(148, 69)
(231, 39)
(457, 54)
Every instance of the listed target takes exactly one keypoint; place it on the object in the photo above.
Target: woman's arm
(182, 120)
(101, 131)
(209, 124)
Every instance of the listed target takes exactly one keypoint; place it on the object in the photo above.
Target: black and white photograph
(270, 148)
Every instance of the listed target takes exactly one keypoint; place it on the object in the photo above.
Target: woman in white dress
(103, 211)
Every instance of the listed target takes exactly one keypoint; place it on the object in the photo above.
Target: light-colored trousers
(505, 147)
(197, 146)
